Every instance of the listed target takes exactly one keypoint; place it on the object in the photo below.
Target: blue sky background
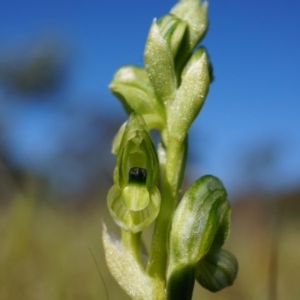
(253, 104)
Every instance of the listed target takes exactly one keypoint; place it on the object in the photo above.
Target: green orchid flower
(134, 199)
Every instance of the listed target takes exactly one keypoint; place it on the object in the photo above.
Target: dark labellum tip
(138, 175)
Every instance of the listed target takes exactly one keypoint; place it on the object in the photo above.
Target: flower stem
(171, 182)
(158, 254)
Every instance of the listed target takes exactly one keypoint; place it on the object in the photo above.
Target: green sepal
(190, 95)
(159, 64)
(217, 270)
(195, 221)
(133, 88)
(181, 283)
(172, 30)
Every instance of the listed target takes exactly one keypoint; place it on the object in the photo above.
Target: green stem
(131, 241)
(158, 255)
(171, 182)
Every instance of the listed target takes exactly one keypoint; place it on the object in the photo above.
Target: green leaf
(217, 270)
(159, 64)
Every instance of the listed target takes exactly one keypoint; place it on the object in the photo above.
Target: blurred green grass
(44, 253)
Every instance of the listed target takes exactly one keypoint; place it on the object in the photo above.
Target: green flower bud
(195, 221)
(134, 199)
(172, 30)
(190, 95)
(194, 226)
(194, 13)
(217, 270)
(133, 88)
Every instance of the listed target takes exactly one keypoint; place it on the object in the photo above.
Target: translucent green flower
(134, 199)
